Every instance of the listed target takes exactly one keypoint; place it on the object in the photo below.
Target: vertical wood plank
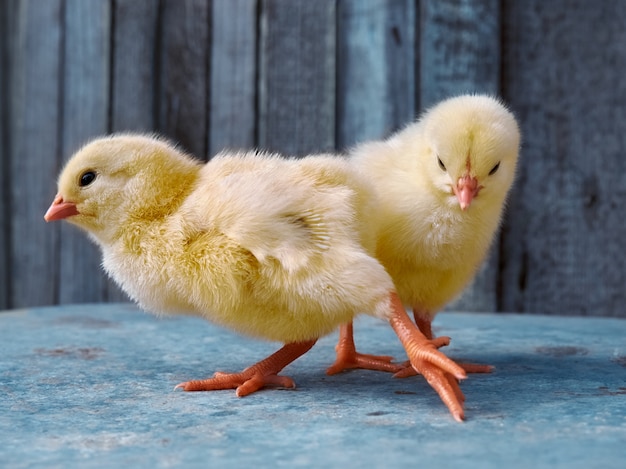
(297, 76)
(4, 160)
(233, 73)
(375, 68)
(85, 116)
(134, 64)
(564, 64)
(460, 48)
(183, 74)
(460, 53)
(34, 157)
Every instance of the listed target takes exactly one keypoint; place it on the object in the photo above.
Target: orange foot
(255, 377)
(408, 370)
(423, 321)
(425, 358)
(349, 358)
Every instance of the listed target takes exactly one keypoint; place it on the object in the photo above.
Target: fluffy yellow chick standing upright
(270, 247)
(442, 184)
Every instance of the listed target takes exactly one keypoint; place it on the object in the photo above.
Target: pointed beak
(465, 190)
(60, 209)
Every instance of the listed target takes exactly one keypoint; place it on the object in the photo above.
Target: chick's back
(270, 247)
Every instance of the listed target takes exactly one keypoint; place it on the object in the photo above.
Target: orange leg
(257, 376)
(424, 323)
(440, 372)
(348, 357)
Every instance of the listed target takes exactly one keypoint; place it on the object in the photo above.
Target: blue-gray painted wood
(5, 247)
(459, 48)
(563, 73)
(233, 75)
(85, 80)
(297, 76)
(93, 386)
(375, 69)
(35, 72)
(183, 73)
(134, 65)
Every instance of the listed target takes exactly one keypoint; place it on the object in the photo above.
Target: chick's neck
(152, 200)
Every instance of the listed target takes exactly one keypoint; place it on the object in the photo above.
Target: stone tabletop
(93, 386)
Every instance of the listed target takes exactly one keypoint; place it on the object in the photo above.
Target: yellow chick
(442, 184)
(270, 247)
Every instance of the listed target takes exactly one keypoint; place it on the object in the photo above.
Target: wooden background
(302, 76)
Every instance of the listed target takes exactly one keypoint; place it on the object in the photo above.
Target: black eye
(441, 165)
(87, 178)
(494, 169)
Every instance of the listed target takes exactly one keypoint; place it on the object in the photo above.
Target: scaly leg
(440, 372)
(424, 323)
(348, 357)
(257, 376)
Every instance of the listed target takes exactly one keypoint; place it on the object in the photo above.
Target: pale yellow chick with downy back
(270, 247)
(442, 184)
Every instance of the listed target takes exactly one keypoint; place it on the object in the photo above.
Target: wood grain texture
(35, 115)
(133, 83)
(460, 48)
(5, 247)
(564, 63)
(375, 69)
(233, 75)
(302, 76)
(297, 76)
(134, 64)
(460, 53)
(183, 74)
(85, 80)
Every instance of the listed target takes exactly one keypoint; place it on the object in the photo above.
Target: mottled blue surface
(92, 386)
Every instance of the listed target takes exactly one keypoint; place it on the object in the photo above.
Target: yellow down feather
(270, 247)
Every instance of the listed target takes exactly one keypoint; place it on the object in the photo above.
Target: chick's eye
(494, 169)
(441, 165)
(87, 178)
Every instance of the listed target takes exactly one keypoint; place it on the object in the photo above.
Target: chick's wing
(276, 214)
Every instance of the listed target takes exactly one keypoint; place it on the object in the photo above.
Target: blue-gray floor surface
(93, 386)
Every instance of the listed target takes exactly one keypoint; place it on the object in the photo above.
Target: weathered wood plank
(460, 48)
(375, 68)
(564, 64)
(460, 53)
(85, 116)
(297, 76)
(134, 52)
(133, 87)
(184, 73)
(34, 102)
(233, 73)
(4, 160)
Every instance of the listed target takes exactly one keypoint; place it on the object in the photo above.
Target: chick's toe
(348, 358)
(255, 377)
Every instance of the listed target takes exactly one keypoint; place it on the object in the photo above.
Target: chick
(442, 184)
(270, 247)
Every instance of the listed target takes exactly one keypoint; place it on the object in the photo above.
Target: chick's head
(117, 179)
(472, 147)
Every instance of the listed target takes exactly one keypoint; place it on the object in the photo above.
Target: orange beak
(60, 209)
(465, 190)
